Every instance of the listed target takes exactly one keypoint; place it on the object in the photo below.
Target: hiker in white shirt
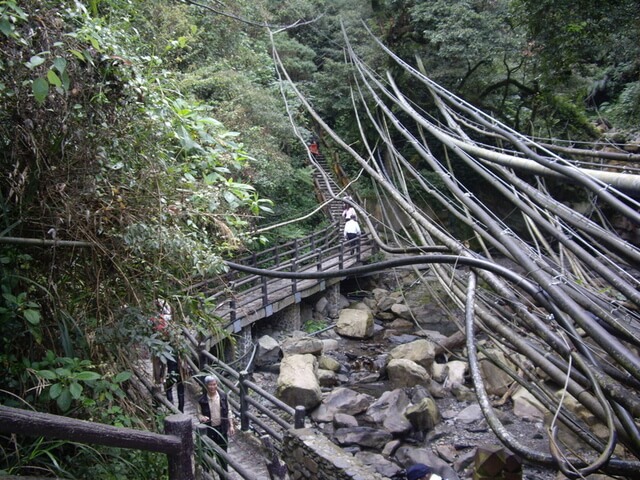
(352, 233)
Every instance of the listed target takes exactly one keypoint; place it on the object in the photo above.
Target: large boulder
(421, 351)
(388, 412)
(406, 373)
(354, 323)
(302, 345)
(341, 400)
(268, 351)
(496, 380)
(424, 415)
(298, 383)
(526, 406)
(366, 437)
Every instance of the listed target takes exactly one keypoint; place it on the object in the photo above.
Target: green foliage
(312, 326)
(74, 382)
(626, 111)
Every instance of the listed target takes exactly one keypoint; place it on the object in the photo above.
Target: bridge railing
(240, 294)
(284, 253)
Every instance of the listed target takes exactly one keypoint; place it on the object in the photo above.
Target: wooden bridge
(244, 298)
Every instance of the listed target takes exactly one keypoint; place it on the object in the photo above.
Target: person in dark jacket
(420, 471)
(214, 413)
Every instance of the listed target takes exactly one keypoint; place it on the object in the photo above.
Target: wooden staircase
(324, 187)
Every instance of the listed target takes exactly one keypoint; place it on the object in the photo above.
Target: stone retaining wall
(311, 455)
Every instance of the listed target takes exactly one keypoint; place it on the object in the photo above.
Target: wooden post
(232, 311)
(265, 291)
(180, 462)
(299, 417)
(294, 282)
(319, 264)
(244, 405)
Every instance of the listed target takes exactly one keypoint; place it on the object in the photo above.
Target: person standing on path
(214, 413)
(167, 365)
(352, 233)
(314, 149)
(348, 211)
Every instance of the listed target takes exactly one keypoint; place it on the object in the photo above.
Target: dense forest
(145, 141)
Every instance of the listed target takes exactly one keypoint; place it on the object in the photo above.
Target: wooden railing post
(265, 291)
(299, 417)
(232, 311)
(341, 254)
(294, 281)
(244, 404)
(180, 462)
(319, 261)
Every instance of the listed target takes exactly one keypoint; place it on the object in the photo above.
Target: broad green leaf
(76, 390)
(122, 377)
(10, 298)
(78, 54)
(66, 81)
(40, 88)
(55, 391)
(85, 376)
(32, 316)
(60, 64)
(64, 400)
(48, 374)
(34, 62)
(63, 372)
(6, 27)
(53, 78)
(185, 139)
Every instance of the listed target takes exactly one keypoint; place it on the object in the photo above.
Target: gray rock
(301, 346)
(388, 411)
(366, 437)
(341, 400)
(355, 323)
(420, 351)
(268, 352)
(406, 373)
(297, 383)
(343, 420)
(424, 415)
(378, 463)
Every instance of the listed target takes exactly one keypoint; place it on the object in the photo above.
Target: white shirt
(349, 212)
(214, 408)
(351, 227)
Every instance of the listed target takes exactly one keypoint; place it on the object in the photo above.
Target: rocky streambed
(389, 383)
